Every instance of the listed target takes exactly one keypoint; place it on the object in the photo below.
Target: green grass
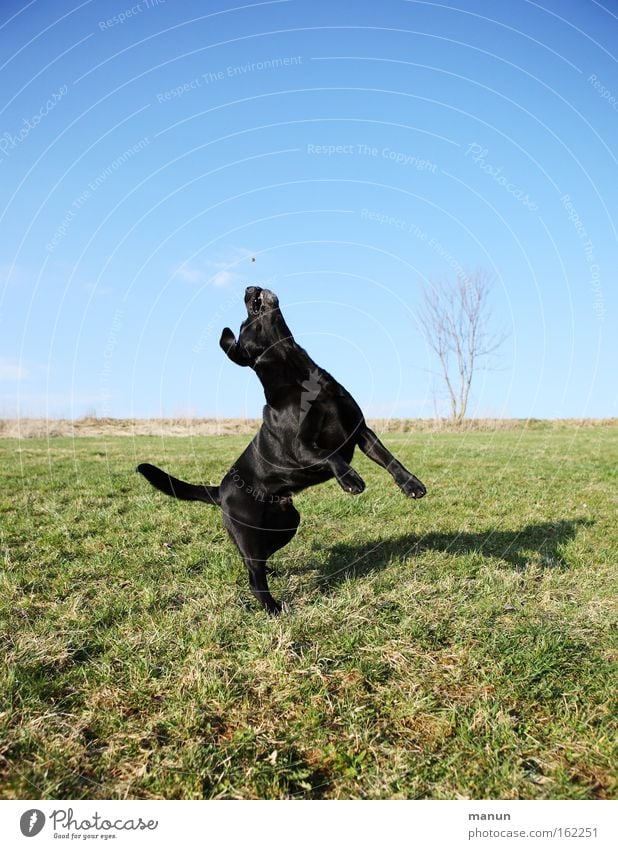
(462, 646)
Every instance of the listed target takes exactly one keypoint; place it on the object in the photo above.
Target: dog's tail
(177, 488)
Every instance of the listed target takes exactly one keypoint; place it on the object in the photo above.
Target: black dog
(310, 430)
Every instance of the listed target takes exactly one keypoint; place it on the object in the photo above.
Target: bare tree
(456, 317)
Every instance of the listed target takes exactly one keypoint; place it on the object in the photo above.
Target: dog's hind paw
(273, 608)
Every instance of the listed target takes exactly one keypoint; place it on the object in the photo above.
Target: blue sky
(148, 151)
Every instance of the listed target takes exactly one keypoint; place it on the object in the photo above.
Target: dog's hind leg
(370, 445)
(258, 538)
(258, 584)
(248, 542)
(280, 523)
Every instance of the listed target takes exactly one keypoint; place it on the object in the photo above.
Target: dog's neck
(281, 368)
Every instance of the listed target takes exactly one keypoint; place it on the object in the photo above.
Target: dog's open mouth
(256, 304)
(260, 301)
(254, 300)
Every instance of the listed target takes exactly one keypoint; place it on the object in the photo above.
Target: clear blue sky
(148, 150)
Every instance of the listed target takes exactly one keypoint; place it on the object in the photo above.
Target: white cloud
(95, 289)
(223, 278)
(11, 370)
(214, 273)
(15, 275)
(189, 275)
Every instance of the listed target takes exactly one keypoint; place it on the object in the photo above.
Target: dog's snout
(253, 290)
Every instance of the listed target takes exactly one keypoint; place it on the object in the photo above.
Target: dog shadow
(538, 545)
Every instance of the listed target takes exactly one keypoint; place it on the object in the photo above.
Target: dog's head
(264, 333)
(260, 301)
(264, 336)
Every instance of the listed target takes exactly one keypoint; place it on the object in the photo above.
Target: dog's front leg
(348, 479)
(234, 351)
(370, 445)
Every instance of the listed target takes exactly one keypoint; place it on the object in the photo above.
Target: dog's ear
(231, 347)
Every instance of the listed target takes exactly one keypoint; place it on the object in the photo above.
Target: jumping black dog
(310, 429)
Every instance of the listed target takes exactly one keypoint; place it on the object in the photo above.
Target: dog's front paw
(413, 488)
(227, 340)
(352, 482)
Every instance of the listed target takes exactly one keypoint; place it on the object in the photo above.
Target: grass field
(461, 647)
